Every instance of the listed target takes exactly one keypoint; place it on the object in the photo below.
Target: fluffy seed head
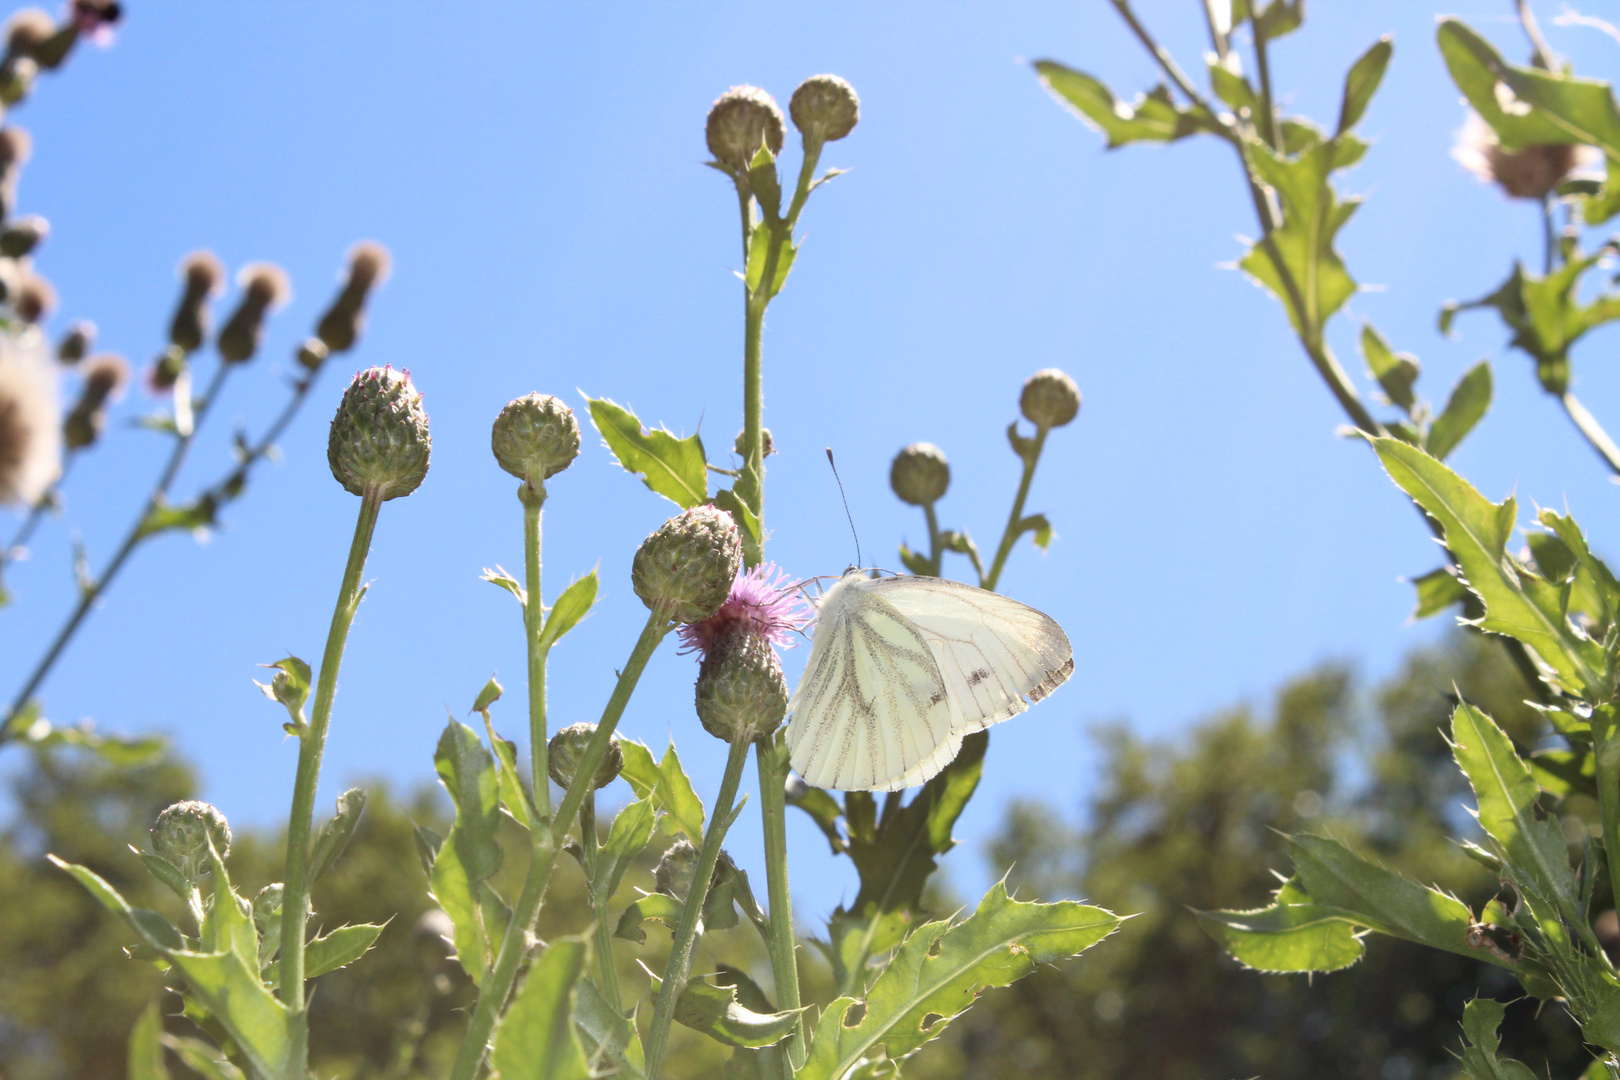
(567, 747)
(686, 566)
(30, 424)
(674, 873)
(33, 298)
(825, 108)
(535, 437)
(742, 120)
(22, 236)
(77, 342)
(369, 263)
(1050, 399)
(183, 833)
(1530, 173)
(379, 438)
(741, 691)
(920, 474)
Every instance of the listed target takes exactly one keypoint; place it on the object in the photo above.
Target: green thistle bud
(1553, 375)
(340, 327)
(183, 833)
(166, 369)
(741, 691)
(202, 276)
(742, 451)
(534, 438)
(687, 564)
(920, 474)
(825, 108)
(24, 235)
(1050, 399)
(267, 905)
(567, 747)
(312, 354)
(674, 873)
(104, 378)
(742, 120)
(264, 286)
(379, 438)
(76, 343)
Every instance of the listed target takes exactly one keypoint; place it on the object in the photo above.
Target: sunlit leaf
(766, 240)
(329, 952)
(146, 1047)
(674, 468)
(1467, 404)
(467, 771)
(536, 1036)
(715, 1011)
(658, 906)
(1300, 252)
(1396, 372)
(1286, 937)
(1152, 118)
(1481, 1018)
(572, 606)
(628, 836)
(1362, 82)
(1436, 591)
(233, 994)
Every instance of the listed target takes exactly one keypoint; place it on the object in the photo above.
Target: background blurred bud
(825, 108)
(687, 564)
(50, 53)
(312, 354)
(379, 438)
(920, 474)
(104, 379)
(183, 833)
(674, 872)
(264, 286)
(535, 437)
(742, 120)
(17, 75)
(23, 236)
(96, 18)
(339, 328)
(77, 342)
(1049, 399)
(166, 370)
(741, 451)
(201, 276)
(267, 904)
(567, 747)
(33, 299)
(1530, 173)
(30, 425)
(741, 691)
(26, 31)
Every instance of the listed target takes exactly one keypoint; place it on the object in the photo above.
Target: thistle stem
(599, 907)
(534, 611)
(498, 983)
(935, 552)
(295, 905)
(679, 966)
(770, 755)
(1010, 534)
(1591, 431)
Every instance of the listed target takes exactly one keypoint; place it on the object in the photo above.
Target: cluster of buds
(746, 119)
(534, 438)
(35, 41)
(379, 442)
(104, 379)
(186, 831)
(567, 748)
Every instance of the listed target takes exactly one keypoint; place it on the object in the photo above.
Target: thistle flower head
(1530, 173)
(742, 120)
(379, 438)
(763, 602)
(920, 474)
(535, 437)
(1049, 399)
(95, 19)
(27, 30)
(825, 108)
(567, 747)
(30, 423)
(687, 565)
(33, 298)
(184, 832)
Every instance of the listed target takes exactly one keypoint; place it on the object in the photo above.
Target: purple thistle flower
(763, 601)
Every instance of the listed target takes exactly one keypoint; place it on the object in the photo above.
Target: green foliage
(1480, 1020)
(674, 468)
(536, 1037)
(334, 837)
(1151, 118)
(717, 1013)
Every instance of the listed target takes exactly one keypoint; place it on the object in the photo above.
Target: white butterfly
(902, 667)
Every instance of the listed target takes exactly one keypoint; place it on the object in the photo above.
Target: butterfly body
(901, 668)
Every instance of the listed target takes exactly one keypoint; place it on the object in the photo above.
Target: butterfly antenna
(847, 514)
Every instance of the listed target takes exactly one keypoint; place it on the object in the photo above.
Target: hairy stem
(770, 755)
(1010, 534)
(599, 907)
(534, 610)
(936, 553)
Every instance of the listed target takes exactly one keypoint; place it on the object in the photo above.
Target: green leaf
(1153, 118)
(607, 1031)
(506, 581)
(146, 1047)
(677, 798)
(1226, 78)
(166, 872)
(513, 795)
(428, 843)
(1304, 253)
(631, 830)
(916, 562)
(202, 1059)
(1286, 937)
(1396, 373)
(1362, 82)
(665, 909)
(1595, 589)
(768, 238)
(459, 896)
(674, 468)
(715, 1011)
(191, 516)
(233, 994)
(27, 726)
(572, 606)
(228, 926)
(536, 1037)
(289, 687)
(467, 771)
(489, 695)
(1436, 591)
(340, 948)
(1518, 603)
(729, 501)
(1481, 1018)
(153, 928)
(333, 839)
(1037, 524)
(1468, 402)
(1280, 17)
(941, 969)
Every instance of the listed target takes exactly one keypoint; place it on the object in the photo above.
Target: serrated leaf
(665, 909)
(1436, 591)
(674, 468)
(1150, 118)
(428, 843)
(333, 839)
(536, 1036)
(505, 581)
(146, 1047)
(715, 1011)
(489, 695)
(1361, 83)
(153, 928)
(1481, 1018)
(941, 969)
(1596, 591)
(606, 1031)
(233, 994)
(467, 770)
(677, 798)
(340, 948)
(572, 606)
(764, 241)
(1467, 404)
(627, 838)
(228, 925)
(1286, 937)
(1396, 372)
(1301, 250)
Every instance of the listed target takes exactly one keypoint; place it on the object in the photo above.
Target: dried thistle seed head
(369, 263)
(26, 31)
(312, 354)
(379, 438)
(765, 436)
(183, 833)
(920, 474)
(825, 108)
(741, 691)
(535, 437)
(30, 424)
(1532, 172)
(22, 236)
(1049, 399)
(264, 286)
(742, 120)
(77, 342)
(567, 748)
(686, 566)
(201, 276)
(33, 298)
(674, 873)
(339, 328)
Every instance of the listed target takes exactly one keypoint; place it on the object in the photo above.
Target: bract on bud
(202, 276)
(379, 438)
(33, 298)
(77, 342)
(920, 474)
(686, 566)
(765, 436)
(340, 327)
(183, 833)
(264, 286)
(23, 235)
(741, 691)
(104, 378)
(674, 873)
(535, 437)
(30, 424)
(1049, 399)
(825, 108)
(267, 904)
(742, 120)
(567, 747)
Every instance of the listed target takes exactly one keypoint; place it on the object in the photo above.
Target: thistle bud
(104, 378)
(184, 832)
(166, 370)
(76, 343)
(1050, 399)
(33, 298)
(825, 108)
(920, 474)
(674, 873)
(686, 566)
(339, 328)
(201, 276)
(765, 437)
(26, 31)
(50, 53)
(742, 120)
(741, 691)
(379, 438)
(267, 905)
(264, 286)
(17, 75)
(22, 236)
(1531, 172)
(534, 438)
(312, 354)
(567, 747)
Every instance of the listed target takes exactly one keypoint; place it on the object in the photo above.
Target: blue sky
(537, 172)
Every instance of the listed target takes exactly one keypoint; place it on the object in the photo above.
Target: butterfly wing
(992, 652)
(871, 709)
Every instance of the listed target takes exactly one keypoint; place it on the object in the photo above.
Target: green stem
(295, 906)
(534, 612)
(1549, 235)
(936, 553)
(599, 907)
(1165, 61)
(679, 966)
(1592, 431)
(1009, 536)
(770, 755)
(752, 482)
(1263, 66)
(498, 984)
